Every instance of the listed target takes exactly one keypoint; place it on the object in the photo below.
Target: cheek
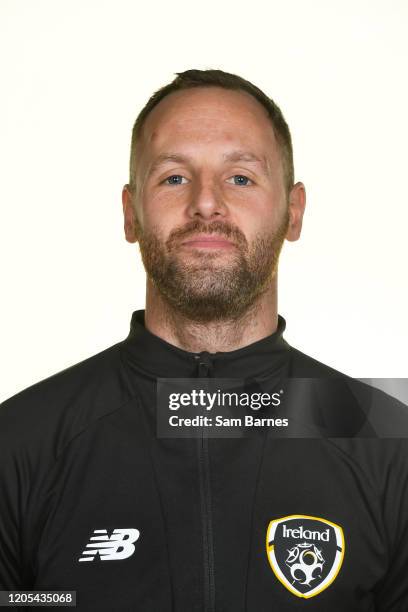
(259, 217)
(274, 209)
(161, 196)
(159, 205)
(158, 225)
(157, 215)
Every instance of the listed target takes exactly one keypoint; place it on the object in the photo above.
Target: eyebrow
(165, 158)
(247, 156)
(233, 156)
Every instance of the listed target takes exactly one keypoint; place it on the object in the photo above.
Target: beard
(207, 286)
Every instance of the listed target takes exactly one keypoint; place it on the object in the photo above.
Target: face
(210, 210)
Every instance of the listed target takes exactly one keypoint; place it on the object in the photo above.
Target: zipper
(204, 366)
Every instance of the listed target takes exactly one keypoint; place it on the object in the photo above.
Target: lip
(208, 241)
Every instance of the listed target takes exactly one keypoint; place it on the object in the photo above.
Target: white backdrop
(75, 74)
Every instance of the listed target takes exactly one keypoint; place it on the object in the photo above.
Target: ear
(297, 203)
(129, 214)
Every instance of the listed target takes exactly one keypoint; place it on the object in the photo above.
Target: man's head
(211, 157)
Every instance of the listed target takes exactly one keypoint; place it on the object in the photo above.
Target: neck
(259, 321)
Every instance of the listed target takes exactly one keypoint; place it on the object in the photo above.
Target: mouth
(208, 242)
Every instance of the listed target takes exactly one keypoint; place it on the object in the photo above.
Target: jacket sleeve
(13, 491)
(392, 592)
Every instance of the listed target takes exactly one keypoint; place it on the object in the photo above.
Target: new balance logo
(120, 545)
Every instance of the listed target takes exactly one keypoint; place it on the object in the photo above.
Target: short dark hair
(218, 78)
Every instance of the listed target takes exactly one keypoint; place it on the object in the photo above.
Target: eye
(174, 179)
(241, 179)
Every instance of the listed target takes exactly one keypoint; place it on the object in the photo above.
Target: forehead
(206, 116)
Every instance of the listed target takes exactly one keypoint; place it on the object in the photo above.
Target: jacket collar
(152, 356)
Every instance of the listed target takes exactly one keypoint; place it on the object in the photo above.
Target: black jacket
(256, 523)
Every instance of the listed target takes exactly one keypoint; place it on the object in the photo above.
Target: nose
(206, 200)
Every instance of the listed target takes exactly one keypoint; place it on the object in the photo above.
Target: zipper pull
(204, 364)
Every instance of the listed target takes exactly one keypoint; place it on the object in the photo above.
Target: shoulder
(366, 426)
(365, 408)
(62, 404)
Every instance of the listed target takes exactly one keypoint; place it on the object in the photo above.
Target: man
(310, 510)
